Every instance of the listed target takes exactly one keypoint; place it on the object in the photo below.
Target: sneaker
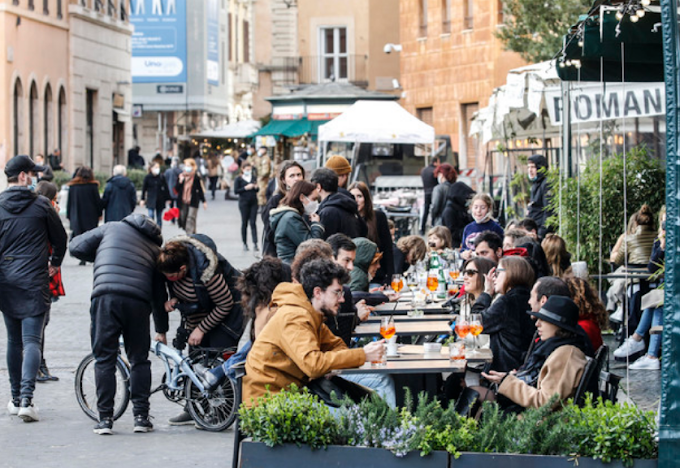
(27, 411)
(142, 424)
(617, 316)
(104, 427)
(13, 406)
(646, 362)
(629, 347)
(255, 249)
(182, 419)
(245, 247)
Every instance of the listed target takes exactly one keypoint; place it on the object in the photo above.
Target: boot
(44, 374)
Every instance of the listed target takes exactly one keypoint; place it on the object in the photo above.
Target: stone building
(450, 63)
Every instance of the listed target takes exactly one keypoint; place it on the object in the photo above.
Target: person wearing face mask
(538, 209)
(288, 220)
(120, 196)
(190, 193)
(446, 176)
(29, 227)
(155, 193)
(246, 188)
(481, 209)
(289, 173)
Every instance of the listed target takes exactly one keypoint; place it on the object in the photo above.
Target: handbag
(328, 388)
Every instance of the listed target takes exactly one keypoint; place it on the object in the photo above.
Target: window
(60, 15)
(468, 144)
(15, 2)
(18, 114)
(230, 35)
(246, 41)
(31, 4)
(61, 122)
(91, 100)
(333, 61)
(499, 7)
(123, 10)
(33, 121)
(46, 7)
(48, 121)
(468, 14)
(422, 15)
(98, 5)
(111, 10)
(426, 114)
(446, 16)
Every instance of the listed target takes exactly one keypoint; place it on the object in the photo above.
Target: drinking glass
(462, 328)
(387, 330)
(457, 351)
(432, 282)
(397, 283)
(476, 328)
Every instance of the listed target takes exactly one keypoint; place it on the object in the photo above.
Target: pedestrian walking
(190, 193)
(126, 289)
(171, 177)
(213, 173)
(29, 225)
(120, 196)
(84, 206)
(155, 193)
(263, 166)
(429, 183)
(47, 174)
(246, 189)
(49, 191)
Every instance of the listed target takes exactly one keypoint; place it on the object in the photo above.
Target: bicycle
(213, 411)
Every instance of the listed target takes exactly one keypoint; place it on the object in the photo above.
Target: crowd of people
(328, 259)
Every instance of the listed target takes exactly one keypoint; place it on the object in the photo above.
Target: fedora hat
(560, 311)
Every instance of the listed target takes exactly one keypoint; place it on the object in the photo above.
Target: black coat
(400, 263)
(197, 193)
(429, 180)
(339, 213)
(155, 191)
(171, 176)
(84, 207)
(455, 215)
(268, 245)
(509, 326)
(538, 209)
(246, 196)
(385, 245)
(29, 224)
(124, 255)
(120, 198)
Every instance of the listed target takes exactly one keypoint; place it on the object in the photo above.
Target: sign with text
(159, 45)
(592, 103)
(213, 43)
(170, 89)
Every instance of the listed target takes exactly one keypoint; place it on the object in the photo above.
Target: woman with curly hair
(559, 260)
(593, 316)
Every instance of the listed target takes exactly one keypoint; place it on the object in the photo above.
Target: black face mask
(432, 246)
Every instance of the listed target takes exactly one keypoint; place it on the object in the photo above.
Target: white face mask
(441, 179)
(311, 207)
(483, 219)
(188, 169)
(34, 184)
(156, 171)
(247, 174)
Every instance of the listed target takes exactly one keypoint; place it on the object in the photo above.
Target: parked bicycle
(213, 411)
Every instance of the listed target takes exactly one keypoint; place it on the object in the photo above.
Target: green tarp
(290, 128)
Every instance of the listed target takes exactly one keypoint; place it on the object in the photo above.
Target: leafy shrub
(645, 182)
(136, 176)
(60, 178)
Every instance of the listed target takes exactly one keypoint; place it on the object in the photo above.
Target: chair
(585, 383)
(240, 371)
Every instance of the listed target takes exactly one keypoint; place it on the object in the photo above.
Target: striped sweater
(219, 293)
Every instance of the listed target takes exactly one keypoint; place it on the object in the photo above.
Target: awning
(240, 129)
(290, 128)
(121, 115)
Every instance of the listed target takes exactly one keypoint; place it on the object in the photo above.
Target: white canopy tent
(240, 129)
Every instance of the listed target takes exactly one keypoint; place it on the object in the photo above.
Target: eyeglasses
(339, 293)
(470, 272)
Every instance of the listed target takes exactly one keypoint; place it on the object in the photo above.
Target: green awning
(291, 128)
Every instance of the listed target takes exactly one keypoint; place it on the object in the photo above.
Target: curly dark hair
(321, 273)
(586, 298)
(257, 283)
(303, 257)
(174, 255)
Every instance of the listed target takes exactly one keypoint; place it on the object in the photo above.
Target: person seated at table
(489, 245)
(554, 367)
(517, 242)
(296, 346)
(409, 250)
(530, 226)
(559, 259)
(593, 317)
(509, 328)
(635, 247)
(481, 209)
(473, 279)
(439, 239)
(366, 264)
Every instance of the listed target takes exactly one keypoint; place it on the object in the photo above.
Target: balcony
(344, 68)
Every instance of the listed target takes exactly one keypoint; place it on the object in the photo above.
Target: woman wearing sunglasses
(473, 278)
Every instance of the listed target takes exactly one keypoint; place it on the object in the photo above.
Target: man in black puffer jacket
(338, 212)
(538, 208)
(127, 287)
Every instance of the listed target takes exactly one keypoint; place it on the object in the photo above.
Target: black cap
(560, 311)
(21, 163)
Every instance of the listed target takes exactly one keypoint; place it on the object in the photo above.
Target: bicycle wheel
(217, 411)
(86, 389)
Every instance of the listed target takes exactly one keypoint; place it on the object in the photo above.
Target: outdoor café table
(402, 308)
(417, 353)
(406, 328)
(407, 318)
(435, 366)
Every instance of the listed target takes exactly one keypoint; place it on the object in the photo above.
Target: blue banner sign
(213, 59)
(159, 45)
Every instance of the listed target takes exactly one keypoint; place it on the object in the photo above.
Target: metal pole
(566, 126)
(669, 420)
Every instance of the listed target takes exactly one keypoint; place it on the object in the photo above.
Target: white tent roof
(240, 129)
(377, 122)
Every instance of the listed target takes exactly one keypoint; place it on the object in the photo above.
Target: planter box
(258, 455)
(506, 460)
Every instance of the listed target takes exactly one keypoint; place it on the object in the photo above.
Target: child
(481, 209)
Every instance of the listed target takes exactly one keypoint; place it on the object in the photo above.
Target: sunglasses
(470, 272)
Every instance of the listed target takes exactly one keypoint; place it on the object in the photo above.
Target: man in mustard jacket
(296, 346)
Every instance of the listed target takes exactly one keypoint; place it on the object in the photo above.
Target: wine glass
(476, 328)
(462, 328)
(397, 283)
(387, 330)
(412, 281)
(432, 281)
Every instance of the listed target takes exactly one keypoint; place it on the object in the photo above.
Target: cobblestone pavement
(64, 437)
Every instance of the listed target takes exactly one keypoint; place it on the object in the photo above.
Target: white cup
(392, 349)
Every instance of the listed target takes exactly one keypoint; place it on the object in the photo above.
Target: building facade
(450, 63)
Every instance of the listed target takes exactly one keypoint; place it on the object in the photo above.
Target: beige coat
(561, 374)
(294, 347)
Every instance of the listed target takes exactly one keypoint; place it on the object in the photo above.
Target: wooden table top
(402, 308)
(406, 328)
(417, 353)
(406, 318)
(409, 367)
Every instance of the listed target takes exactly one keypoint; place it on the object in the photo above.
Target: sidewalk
(64, 435)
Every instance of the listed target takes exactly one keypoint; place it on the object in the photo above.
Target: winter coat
(339, 213)
(294, 347)
(124, 255)
(268, 242)
(366, 250)
(47, 174)
(538, 204)
(474, 229)
(386, 246)
(171, 177)
(509, 326)
(290, 230)
(155, 191)
(197, 193)
(120, 198)
(428, 178)
(29, 225)
(246, 196)
(561, 374)
(84, 207)
(439, 202)
(455, 215)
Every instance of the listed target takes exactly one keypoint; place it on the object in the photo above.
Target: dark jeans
(426, 213)
(24, 338)
(158, 212)
(213, 185)
(113, 315)
(248, 215)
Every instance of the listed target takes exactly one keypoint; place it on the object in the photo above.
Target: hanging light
(619, 15)
(580, 43)
(640, 13)
(645, 2)
(634, 18)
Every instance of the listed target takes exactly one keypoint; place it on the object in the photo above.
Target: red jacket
(592, 329)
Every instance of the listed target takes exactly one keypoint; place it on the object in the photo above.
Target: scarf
(186, 193)
(530, 370)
